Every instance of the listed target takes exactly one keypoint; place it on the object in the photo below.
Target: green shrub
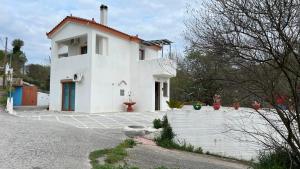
(157, 123)
(198, 150)
(128, 143)
(165, 122)
(278, 159)
(167, 136)
(175, 104)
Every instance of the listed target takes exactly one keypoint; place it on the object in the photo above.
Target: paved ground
(94, 120)
(42, 144)
(55, 140)
(149, 157)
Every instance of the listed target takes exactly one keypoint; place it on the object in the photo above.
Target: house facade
(95, 68)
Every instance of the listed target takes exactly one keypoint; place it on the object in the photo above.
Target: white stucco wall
(42, 99)
(108, 70)
(64, 68)
(219, 131)
(119, 61)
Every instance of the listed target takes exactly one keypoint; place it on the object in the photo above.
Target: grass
(112, 156)
(276, 159)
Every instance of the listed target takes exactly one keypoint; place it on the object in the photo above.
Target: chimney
(103, 14)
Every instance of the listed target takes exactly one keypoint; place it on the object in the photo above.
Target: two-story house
(94, 68)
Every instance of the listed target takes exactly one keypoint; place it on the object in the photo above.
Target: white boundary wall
(215, 131)
(42, 99)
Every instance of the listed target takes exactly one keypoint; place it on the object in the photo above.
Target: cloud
(31, 19)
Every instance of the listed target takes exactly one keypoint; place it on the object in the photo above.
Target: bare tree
(261, 41)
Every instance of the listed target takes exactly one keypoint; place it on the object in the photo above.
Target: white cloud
(31, 19)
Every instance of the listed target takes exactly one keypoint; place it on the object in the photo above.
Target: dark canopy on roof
(157, 42)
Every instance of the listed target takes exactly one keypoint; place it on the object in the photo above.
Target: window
(122, 92)
(99, 45)
(142, 54)
(63, 55)
(83, 50)
(165, 89)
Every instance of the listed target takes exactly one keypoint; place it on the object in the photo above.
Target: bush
(175, 104)
(198, 150)
(167, 136)
(165, 122)
(278, 159)
(157, 123)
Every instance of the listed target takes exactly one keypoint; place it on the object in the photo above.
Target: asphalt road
(35, 144)
(149, 157)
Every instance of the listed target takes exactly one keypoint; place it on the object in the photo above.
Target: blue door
(68, 96)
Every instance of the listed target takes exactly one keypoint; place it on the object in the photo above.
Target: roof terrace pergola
(161, 43)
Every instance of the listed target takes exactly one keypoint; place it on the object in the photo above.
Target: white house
(94, 68)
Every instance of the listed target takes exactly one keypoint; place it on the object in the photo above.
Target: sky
(29, 20)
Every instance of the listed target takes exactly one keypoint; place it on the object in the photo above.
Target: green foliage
(198, 150)
(278, 159)
(198, 77)
(157, 123)
(167, 136)
(112, 156)
(175, 104)
(38, 75)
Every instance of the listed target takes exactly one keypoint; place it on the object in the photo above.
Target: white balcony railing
(161, 67)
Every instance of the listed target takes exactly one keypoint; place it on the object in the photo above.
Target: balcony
(161, 67)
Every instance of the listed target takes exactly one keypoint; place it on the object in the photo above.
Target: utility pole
(4, 66)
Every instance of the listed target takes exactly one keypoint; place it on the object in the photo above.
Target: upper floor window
(83, 50)
(101, 45)
(142, 54)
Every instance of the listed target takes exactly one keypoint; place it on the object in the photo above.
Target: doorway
(157, 95)
(68, 96)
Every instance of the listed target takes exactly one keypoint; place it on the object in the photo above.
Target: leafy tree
(261, 41)
(18, 57)
(38, 75)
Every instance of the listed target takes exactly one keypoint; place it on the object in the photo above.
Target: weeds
(167, 136)
(278, 159)
(112, 156)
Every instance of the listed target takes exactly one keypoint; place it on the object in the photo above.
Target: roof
(157, 42)
(95, 25)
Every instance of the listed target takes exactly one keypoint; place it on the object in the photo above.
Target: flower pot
(216, 106)
(197, 106)
(236, 106)
(256, 105)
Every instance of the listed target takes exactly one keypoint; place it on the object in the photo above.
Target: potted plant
(256, 105)
(174, 104)
(236, 104)
(197, 105)
(217, 102)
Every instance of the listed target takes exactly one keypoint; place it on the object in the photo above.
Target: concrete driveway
(56, 140)
(116, 120)
(42, 144)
